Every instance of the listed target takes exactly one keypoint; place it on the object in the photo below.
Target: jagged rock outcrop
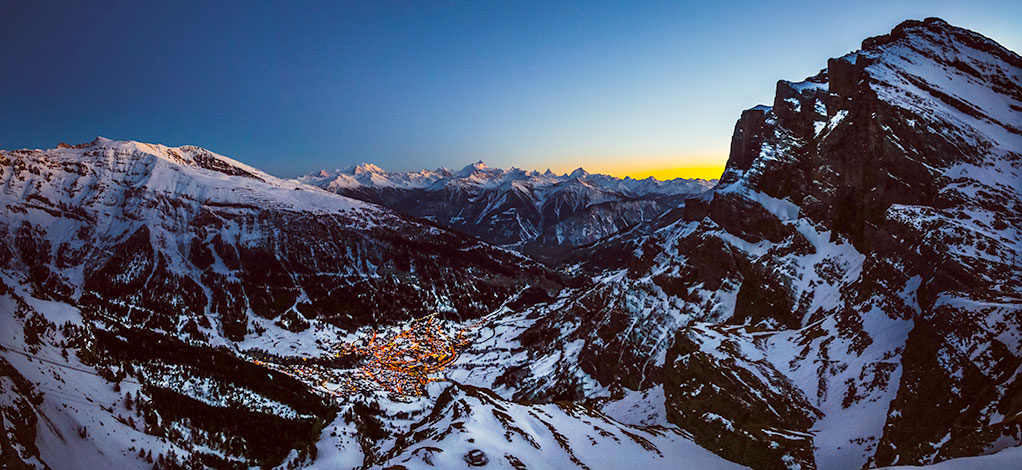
(736, 403)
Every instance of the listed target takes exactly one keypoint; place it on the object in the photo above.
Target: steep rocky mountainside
(541, 214)
(848, 296)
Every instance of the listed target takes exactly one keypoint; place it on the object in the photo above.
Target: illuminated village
(401, 363)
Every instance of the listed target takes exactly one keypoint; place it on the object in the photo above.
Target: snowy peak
(87, 212)
(472, 168)
(910, 143)
(938, 77)
(188, 155)
(367, 176)
(108, 170)
(361, 168)
(952, 39)
(945, 73)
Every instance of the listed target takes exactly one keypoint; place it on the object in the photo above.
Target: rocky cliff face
(855, 264)
(912, 153)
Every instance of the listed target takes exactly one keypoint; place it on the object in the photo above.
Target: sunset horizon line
(638, 172)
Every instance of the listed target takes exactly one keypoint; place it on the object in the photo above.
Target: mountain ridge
(542, 214)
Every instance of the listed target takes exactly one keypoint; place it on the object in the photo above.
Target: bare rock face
(747, 138)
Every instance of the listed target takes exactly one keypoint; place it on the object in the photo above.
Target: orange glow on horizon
(662, 166)
(705, 172)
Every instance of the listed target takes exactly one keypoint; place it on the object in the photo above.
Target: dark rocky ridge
(882, 156)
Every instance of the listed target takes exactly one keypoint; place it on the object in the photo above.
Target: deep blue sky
(295, 86)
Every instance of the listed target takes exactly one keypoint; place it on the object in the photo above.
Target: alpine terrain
(541, 214)
(848, 295)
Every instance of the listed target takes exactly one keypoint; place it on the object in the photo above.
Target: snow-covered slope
(541, 213)
(550, 436)
(1006, 458)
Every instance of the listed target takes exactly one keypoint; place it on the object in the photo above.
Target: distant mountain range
(542, 214)
(848, 295)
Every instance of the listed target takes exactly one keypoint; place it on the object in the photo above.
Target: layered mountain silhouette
(541, 214)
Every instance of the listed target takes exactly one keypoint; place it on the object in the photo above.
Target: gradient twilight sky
(626, 88)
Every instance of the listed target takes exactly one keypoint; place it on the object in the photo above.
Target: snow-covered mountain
(542, 214)
(180, 243)
(203, 235)
(848, 296)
